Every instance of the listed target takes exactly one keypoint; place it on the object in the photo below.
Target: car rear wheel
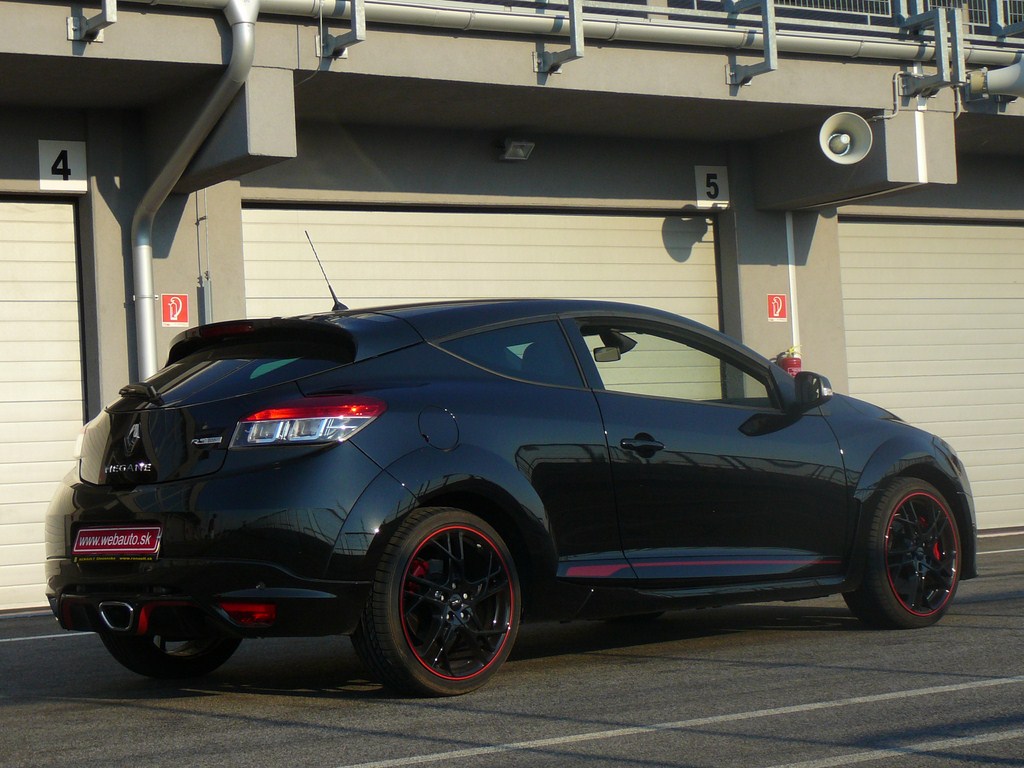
(444, 608)
(913, 559)
(159, 657)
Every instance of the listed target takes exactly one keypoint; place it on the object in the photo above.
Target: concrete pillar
(777, 252)
(197, 252)
(116, 179)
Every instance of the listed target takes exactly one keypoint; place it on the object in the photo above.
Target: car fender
(468, 475)
(895, 457)
(916, 454)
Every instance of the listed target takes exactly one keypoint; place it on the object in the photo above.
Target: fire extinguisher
(789, 361)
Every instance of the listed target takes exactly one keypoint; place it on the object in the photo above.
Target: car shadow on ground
(548, 640)
(329, 668)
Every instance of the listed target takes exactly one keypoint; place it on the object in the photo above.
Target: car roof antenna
(338, 306)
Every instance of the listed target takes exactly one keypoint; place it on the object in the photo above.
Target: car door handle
(642, 445)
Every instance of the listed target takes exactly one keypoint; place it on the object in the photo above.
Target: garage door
(40, 384)
(935, 332)
(387, 257)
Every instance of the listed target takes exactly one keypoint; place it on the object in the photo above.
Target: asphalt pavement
(781, 685)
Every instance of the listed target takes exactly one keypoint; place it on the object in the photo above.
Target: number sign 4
(62, 166)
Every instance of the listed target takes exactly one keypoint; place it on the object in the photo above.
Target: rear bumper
(193, 598)
(255, 533)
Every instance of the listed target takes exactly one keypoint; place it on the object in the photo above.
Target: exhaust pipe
(117, 616)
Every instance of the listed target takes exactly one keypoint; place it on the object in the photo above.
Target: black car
(424, 477)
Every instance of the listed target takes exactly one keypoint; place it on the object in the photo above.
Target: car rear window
(536, 352)
(234, 367)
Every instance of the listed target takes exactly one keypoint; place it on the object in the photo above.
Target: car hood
(867, 409)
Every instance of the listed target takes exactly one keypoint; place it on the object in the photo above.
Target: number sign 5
(712, 186)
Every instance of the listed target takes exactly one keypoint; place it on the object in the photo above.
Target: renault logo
(131, 440)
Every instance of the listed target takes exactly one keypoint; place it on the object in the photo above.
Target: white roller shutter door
(375, 257)
(934, 318)
(40, 384)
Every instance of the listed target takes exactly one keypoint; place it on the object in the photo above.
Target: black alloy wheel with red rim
(444, 609)
(921, 546)
(913, 563)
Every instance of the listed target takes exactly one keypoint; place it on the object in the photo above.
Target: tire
(913, 559)
(443, 612)
(154, 656)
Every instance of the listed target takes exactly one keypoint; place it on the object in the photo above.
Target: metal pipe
(241, 15)
(656, 31)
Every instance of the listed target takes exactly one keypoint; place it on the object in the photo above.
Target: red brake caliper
(417, 570)
(936, 552)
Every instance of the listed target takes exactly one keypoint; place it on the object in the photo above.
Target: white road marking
(1002, 551)
(640, 730)
(43, 637)
(921, 748)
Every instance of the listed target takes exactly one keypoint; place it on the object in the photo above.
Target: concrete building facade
(166, 163)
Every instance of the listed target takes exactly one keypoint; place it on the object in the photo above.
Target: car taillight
(219, 330)
(314, 420)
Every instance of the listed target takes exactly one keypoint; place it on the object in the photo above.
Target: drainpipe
(241, 15)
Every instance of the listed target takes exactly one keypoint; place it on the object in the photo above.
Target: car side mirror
(607, 354)
(812, 389)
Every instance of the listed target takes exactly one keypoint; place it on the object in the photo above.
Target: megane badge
(131, 440)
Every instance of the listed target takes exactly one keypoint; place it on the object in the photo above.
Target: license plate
(139, 542)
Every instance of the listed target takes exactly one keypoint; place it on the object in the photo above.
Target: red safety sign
(778, 307)
(174, 310)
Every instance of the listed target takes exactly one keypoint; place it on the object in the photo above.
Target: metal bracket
(951, 67)
(957, 30)
(742, 74)
(83, 30)
(332, 47)
(997, 20)
(551, 63)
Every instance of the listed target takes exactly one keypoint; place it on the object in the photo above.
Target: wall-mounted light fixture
(516, 149)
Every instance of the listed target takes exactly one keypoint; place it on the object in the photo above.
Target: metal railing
(984, 18)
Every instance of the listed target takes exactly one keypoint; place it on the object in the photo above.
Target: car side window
(536, 352)
(647, 362)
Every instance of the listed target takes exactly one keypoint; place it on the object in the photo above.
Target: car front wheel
(913, 559)
(444, 608)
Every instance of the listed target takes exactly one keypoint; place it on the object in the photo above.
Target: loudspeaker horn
(845, 138)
